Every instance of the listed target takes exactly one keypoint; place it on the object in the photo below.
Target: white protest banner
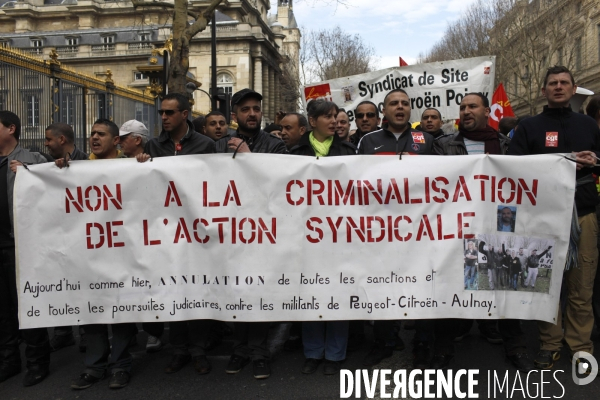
(280, 237)
(440, 85)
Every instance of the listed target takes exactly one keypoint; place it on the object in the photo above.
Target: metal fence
(43, 92)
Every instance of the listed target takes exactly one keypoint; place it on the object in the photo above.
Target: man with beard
(506, 223)
(475, 136)
(293, 125)
(431, 122)
(249, 138)
(250, 337)
(342, 125)
(367, 120)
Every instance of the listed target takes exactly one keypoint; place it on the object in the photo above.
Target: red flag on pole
(500, 107)
(403, 63)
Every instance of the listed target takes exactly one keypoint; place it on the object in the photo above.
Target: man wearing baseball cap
(249, 138)
(250, 337)
(133, 136)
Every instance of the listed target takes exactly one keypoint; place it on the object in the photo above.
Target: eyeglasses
(168, 112)
(362, 115)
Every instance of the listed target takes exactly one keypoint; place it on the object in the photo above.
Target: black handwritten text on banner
(279, 237)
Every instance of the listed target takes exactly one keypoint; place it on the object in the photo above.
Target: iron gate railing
(43, 92)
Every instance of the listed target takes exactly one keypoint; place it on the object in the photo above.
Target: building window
(139, 76)
(101, 101)
(37, 45)
(67, 109)
(108, 43)
(145, 37)
(577, 50)
(72, 41)
(142, 113)
(225, 81)
(33, 109)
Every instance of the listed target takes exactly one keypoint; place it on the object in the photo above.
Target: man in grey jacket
(37, 351)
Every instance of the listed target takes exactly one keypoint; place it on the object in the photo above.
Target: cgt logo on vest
(418, 137)
(551, 139)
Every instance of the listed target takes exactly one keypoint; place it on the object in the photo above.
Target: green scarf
(321, 149)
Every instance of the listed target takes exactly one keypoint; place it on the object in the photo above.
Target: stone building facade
(92, 36)
(537, 34)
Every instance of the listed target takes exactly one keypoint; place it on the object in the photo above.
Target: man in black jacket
(178, 136)
(250, 337)
(431, 122)
(188, 338)
(398, 137)
(559, 130)
(37, 350)
(249, 138)
(60, 140)
(475, 136)
(366, 116)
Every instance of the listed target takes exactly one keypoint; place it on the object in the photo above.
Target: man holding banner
(560, 130)
(397, 138)
(101, 355)
(37, 351)
(250, 337)
(475, 136)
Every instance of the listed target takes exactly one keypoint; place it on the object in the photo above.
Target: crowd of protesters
(323, 132)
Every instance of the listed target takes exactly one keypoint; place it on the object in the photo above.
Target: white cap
(133, 126)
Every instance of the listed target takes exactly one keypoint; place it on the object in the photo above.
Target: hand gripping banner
(280, 238)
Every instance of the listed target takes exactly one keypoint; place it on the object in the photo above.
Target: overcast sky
(393, 27)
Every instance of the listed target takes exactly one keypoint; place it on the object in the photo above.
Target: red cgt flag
(403, 63)
(500, 107)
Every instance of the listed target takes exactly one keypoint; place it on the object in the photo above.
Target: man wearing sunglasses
(178, 136)
(367, 120)
(188, 338)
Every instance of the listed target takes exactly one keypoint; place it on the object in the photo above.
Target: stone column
(272, 93)
(258, 86)
(277, 91)
(265, 94)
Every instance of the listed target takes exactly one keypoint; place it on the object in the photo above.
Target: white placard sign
(440, 85)
(279, 237)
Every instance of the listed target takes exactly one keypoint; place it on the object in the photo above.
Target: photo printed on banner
(508, 262)
(507, 218)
